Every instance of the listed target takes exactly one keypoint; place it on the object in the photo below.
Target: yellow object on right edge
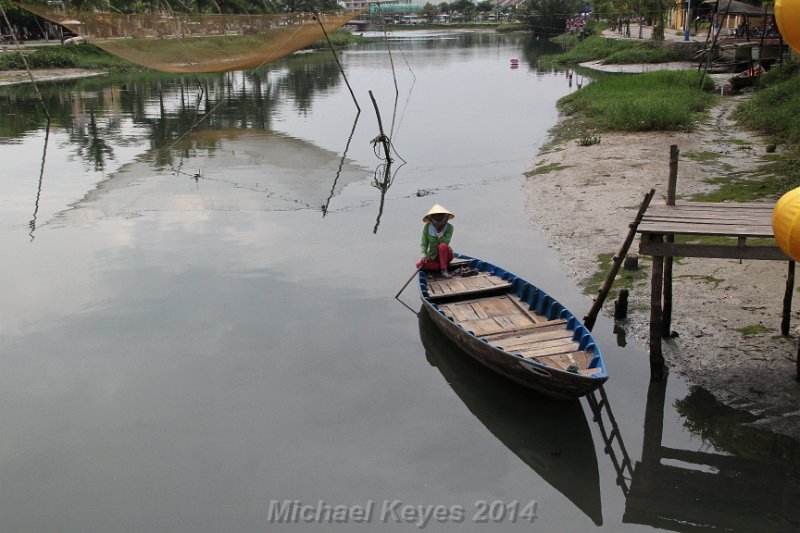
(787, 15)
(786, 223)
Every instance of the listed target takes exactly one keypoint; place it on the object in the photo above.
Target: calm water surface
(198, 321)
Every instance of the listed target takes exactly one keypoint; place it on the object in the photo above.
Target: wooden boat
(746, 78)
(514, 328)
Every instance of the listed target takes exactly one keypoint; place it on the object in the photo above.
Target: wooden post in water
(787, 300)
(382, 138)
(666, 319)
(656, 287)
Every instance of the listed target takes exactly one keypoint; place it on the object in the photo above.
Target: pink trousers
(441, 262)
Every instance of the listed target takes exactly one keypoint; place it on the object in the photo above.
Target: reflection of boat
(234, 169)
(551, 437)
(514, 328)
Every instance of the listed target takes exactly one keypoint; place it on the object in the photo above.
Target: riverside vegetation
(676, 101)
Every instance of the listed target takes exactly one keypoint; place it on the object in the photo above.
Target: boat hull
(528, 372)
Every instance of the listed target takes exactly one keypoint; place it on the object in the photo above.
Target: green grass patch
(774, 109)
(705, 157)
(84, 56)
(339, 38)
(615, 51)
(651, 101)
(625, 278)
(752, 329)
(545, 169)
(770, 181)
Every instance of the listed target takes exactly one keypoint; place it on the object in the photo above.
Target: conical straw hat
(437, 210)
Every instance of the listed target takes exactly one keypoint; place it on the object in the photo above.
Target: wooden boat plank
(455, 285)
(458, 313)
(541, 326)
(589, 371)
(537, 345)
(478, 309)
(486, 325)
(523, 308)
(565, 360)
(504, 322)
(546, 333)
(533, 353)
(484, 307)
(506, 303)
(533, 337)
(520, 321)
(435, 297)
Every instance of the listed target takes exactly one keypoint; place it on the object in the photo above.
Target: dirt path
(714, 299)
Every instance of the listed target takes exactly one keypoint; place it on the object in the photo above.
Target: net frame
(195, 43)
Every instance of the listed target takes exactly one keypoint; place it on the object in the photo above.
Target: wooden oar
(407, 282)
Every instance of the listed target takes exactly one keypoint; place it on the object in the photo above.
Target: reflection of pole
(383, 187)
(341, 164)
(653, 428)
(41, 178)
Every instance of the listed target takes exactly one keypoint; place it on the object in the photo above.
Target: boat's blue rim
(545, 305)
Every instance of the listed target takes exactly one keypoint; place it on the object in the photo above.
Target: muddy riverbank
(727, 313)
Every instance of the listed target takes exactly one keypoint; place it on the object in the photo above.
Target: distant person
(436, 235)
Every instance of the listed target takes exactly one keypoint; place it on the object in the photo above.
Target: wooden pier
(660, 226)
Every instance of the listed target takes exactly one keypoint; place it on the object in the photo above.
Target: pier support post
(787, 300)
(656, 291)
(672, 185)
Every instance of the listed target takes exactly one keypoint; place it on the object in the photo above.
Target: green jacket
(430, 244)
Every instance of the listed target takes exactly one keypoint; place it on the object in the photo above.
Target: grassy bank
(84, 56)
(610, 51)
(652, 101)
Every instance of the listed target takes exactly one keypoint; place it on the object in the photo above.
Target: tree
(549, 16)
(429, 11)
(465, 7)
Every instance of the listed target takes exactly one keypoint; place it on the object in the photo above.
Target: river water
(198, 330)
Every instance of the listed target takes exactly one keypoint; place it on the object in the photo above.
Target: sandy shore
(603, 186)
(13, 77)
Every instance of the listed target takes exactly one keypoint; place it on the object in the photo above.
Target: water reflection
(32, 223)
(756, 489)
(160, 108)
(232, 169)
(551, 437)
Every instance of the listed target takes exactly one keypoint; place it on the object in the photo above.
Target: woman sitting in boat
(436, 235)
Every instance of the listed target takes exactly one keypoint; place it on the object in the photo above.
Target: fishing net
(176, 42)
